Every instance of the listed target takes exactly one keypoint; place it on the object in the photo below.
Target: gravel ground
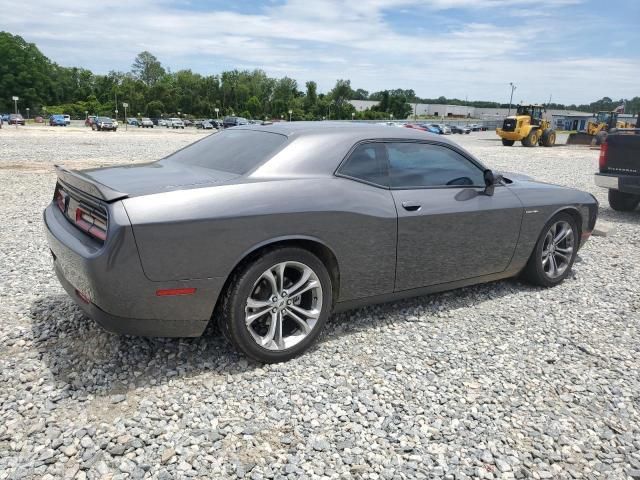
(495, 381)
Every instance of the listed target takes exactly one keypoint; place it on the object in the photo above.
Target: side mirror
(490, 182)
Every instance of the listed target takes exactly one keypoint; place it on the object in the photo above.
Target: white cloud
(329, 39)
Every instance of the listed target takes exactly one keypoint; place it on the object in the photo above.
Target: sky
(574, 51)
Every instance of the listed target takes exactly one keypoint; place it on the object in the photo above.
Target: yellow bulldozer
(597, 129)
(527, 126)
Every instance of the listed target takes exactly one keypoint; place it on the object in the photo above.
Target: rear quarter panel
(206, 232)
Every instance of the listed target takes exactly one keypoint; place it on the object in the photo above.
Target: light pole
(126, 122)
(86, 115)
(513, 87)
(15, 101)
(44, 111)
(28, 113)
(391, 116)
(217, 110)
(353, 116)
(290, 112)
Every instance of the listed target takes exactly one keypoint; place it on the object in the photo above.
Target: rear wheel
(548, 138)
(276, 306)
(531, 140)
(554, 253)
(623, 202)
(508, 143)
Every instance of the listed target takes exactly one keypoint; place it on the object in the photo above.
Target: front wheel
(554, 253)
(548, 138)
(623, 202)
(530, 140)
(276, 306)
(508, 143)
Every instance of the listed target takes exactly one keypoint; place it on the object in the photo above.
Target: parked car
(162, 122)
(206, 125)
(104, 123)
(187, 122)
(460, 129)
(16, 119)
(619, 168)
(5, 117)
(474, 127)
(217, 124)
(89, 120)
(145, 123)
(38, 119)
(277, 266)
(442, 128)
(1, 121)
(423, 127)
(133, 122)
(67, 119)
(57, 121)
(234, 121)
(175, 123)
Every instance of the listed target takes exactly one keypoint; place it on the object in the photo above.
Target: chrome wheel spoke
(304, 326)
(252, 317)
(253, 303)
(313, 314)
(563, 256)
(293, 290)
(564, 233)
(269, 277)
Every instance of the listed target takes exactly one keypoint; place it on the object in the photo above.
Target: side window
(367, 162)
(414, 165)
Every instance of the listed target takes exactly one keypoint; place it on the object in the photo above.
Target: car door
(448, 228)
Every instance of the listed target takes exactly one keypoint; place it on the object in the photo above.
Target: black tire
(623, 202)
(600, 138)
(508, 143)
(243, 282)
(534, 272)
(548, 138)
(531, 139)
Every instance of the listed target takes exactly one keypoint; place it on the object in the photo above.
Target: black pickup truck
(619, 167)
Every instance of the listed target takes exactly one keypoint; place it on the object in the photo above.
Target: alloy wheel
(557, 249)
(284, 305)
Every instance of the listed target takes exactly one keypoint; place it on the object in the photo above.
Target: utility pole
(126, 123)
(513, 87)
(15, 101)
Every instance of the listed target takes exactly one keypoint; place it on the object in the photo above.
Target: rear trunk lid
(115, 183)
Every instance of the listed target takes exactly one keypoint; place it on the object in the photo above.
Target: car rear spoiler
(88, 185)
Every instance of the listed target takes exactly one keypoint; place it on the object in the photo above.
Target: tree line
(152, 90)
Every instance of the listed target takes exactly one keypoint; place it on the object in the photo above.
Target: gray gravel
(494, 381)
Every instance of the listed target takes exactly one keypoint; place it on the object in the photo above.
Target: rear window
(232, 151)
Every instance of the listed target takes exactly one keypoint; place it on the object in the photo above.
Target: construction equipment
(527, 126)
(597, 129)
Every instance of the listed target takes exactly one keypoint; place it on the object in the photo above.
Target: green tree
(147, 68)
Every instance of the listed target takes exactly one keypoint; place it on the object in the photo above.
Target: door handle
(411, 206)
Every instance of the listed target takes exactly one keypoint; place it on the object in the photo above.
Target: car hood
(156, 177)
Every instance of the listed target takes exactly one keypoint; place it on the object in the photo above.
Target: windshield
(103, 119)
(232, 151)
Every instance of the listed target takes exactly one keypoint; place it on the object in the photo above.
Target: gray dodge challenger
(267, 229)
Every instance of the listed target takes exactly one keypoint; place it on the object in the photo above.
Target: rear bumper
(143, 327)
(108, 283)
(623, 183)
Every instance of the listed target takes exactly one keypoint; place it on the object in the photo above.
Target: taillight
(60, 198)
(91, 222)
(602, 161)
